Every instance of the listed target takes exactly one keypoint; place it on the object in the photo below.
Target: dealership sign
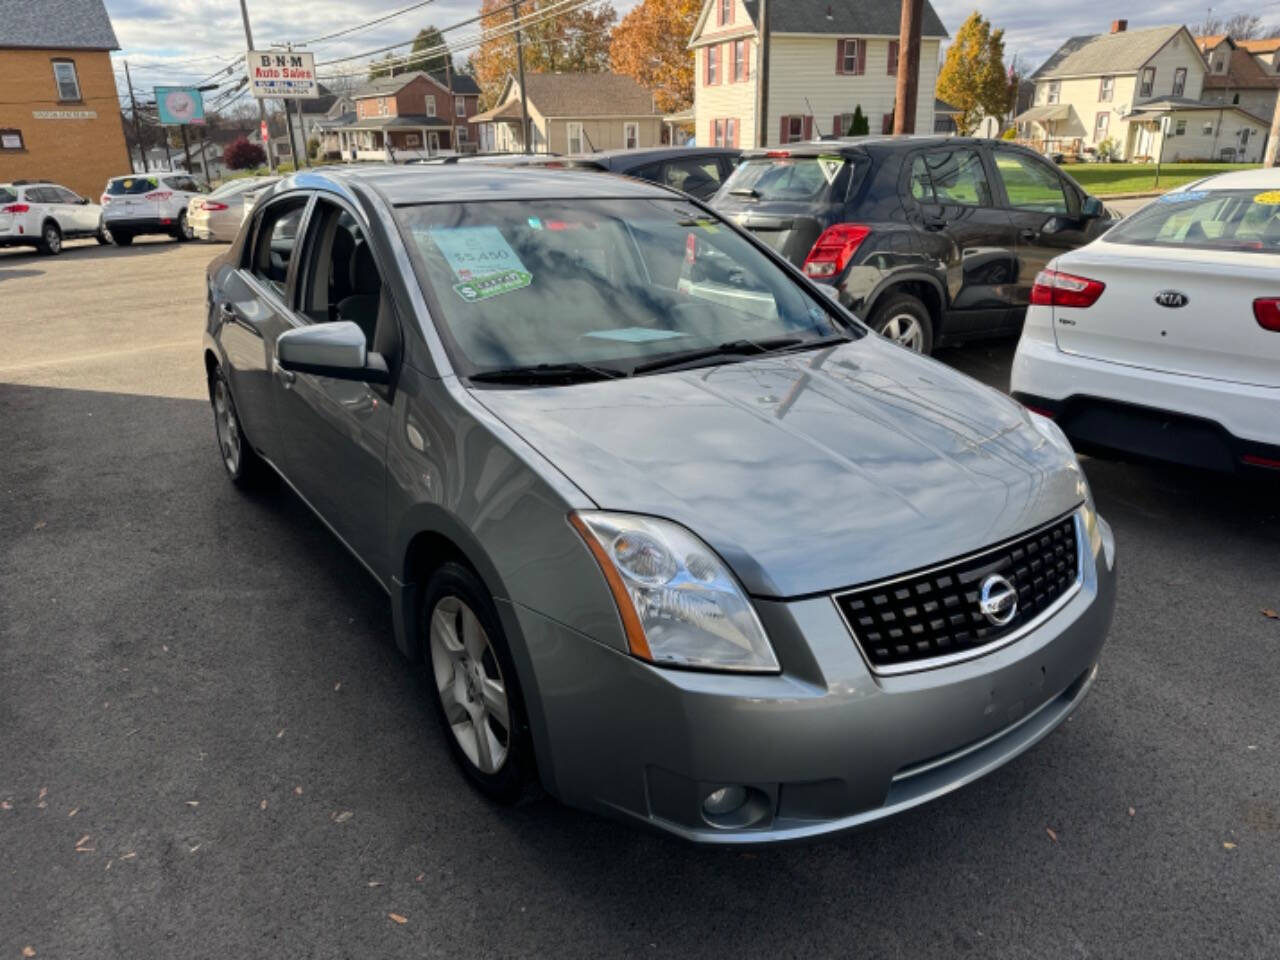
(178, 106)
(282, 73)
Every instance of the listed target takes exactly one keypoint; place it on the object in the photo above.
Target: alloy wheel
(52, 239)
(184, 227)
(470, 684)
(224, 415)
(904, 330)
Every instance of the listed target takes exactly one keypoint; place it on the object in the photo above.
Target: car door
(335, 431)
(1045, 211)
(970, 240)
(253, 309)
(76, 211)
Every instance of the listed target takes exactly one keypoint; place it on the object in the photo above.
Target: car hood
(807, 472)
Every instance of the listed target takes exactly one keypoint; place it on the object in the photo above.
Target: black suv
(929, 239)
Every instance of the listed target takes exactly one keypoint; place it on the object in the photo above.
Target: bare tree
(1237, 26)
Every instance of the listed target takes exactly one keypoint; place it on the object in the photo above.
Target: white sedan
(1161, 339)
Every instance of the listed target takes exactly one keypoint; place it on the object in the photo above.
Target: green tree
(973, 77)
(859, 126)
(428, 38)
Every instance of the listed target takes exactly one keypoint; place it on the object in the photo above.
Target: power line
(368, 23)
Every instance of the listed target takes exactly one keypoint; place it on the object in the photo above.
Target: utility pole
(262, 108)
(1273, 138)
(524, 94)
(137, 127)
(762, 71)
(186, 147)
(904, 115)
(288, 124)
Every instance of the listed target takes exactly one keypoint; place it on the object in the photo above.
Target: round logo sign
(998, 600)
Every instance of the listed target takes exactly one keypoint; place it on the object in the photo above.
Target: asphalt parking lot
(210, 748)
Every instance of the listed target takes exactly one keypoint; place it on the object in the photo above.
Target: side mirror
(1092, 208)
(331, 350)
(83, 201)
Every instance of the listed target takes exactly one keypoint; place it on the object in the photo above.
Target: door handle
(287, 377)
(935, 223)
(1029, 235)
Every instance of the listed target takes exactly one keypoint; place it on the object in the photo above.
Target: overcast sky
(183, 41)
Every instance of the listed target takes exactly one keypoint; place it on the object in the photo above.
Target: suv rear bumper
(141, 224)
(1104, 406)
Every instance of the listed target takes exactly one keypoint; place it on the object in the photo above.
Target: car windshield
(784, 178)
(616, 286)
(1241, 221)
(123, 186)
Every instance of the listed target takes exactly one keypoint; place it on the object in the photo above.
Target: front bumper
(825, 746)
(1104, 406)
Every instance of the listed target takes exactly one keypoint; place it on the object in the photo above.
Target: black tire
(515, 780)
(103, 236)
(246, 469)
(182, 233)
(50, 239)
(122, 239)
(893, 317)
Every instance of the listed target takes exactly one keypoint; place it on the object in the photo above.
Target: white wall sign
(65, 114)
(282, 73)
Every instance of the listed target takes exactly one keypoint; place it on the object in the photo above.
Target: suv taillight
(834, 249)
(15, 208)
(1266, 310)
(1054, 289)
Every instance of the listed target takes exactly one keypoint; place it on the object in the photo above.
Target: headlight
(680, 605)
(1051, 432)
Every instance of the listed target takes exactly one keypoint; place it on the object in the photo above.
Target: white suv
(149, 203)
(36, 213)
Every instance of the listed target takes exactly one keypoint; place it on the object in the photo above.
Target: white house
(1126, 87)
(825, 59)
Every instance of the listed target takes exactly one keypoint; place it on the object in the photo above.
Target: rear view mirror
(1092, 208)
(331, 350)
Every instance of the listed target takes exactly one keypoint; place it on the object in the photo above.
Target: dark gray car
(676, 537)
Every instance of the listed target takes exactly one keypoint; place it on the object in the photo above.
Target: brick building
(59, 109)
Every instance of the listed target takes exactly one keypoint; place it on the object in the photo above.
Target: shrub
(1010, 134)
(241, 154)
(859, 126)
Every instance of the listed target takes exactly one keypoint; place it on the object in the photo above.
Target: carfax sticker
(1183, 196)
(1269, 198)
(492, 285)
(474, 252)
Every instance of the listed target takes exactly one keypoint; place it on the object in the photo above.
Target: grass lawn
(1103, 179)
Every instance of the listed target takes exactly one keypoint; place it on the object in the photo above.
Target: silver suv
(676, 537)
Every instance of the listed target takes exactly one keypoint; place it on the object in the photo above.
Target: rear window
(131, 186)
(1244, 221)
(7, 195)
(784, 178)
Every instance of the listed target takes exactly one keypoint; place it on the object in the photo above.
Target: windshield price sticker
(492, 285)
(1183, 196)
(476, 251)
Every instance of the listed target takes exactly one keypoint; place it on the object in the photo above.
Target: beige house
(1139, 90)
(1237, 77)
(572, 113)
(824, 60)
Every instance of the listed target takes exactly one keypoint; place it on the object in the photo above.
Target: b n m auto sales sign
(282, 73)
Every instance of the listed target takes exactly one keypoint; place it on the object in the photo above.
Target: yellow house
(824, 61)
(59, 110)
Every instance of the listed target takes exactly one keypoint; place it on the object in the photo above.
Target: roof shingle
(843, 18)
(574, 95)
(1105, 53)
(56, 24)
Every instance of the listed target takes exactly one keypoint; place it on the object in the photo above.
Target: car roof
(1260, 178)
(404, 185)
(885, 143)
(617, 158)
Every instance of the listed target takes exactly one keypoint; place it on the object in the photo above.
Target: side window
(65, 196)
(276, 241)
(650, 171)
(698, 177)
(921, 185)
(1030, 184)
(343, 280)
(958, 177)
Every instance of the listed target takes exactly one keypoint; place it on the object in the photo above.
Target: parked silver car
(218, 215)
(676, 537)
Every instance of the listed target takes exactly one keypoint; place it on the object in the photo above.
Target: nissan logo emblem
(1172, 298)
(998, 600)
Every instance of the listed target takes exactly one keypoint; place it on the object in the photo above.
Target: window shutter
(727, 61)
(733, 11)
(862, 57)
(737, 130)
(786, 126)
(839, 57)
(893, 58)
(706, 67)
(746, 59)
(808, 127)
(886, 123)
(836, 125)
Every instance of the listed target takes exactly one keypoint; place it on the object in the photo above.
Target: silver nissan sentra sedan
(676, 538)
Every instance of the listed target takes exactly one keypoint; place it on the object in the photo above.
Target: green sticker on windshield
(830, 167)
(492, 285)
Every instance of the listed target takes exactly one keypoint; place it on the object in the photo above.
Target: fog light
(724, 801)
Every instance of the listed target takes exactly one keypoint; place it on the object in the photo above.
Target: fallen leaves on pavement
(396, 918)
(80, 845)
(342, 817)
(1052, 836)
(28, 951)
(1270, 614)
(297, 791)
(1132, 811)
(1228, 845)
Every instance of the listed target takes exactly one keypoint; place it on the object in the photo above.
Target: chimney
(1119, 26)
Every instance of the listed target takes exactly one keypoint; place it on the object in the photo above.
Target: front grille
(902, 623)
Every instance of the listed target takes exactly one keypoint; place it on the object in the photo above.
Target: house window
(1148, 81)
(1052, 91)
(844, 123)
(1220, 63)
(731, 132)
(630, 135)
(431, 104)
(849, 56)
(893, 58)
(1179, 81)
(1180, 129)
(462, 133)
(573, 129)
(1207, 130)
(1106, 89)
(1101, 123)
(739, 60)
(64, 74)
(382, 106)
(11, 139)
(795, 129)
(717, 133)
(459, 106)
(713, 65)
(726, 11)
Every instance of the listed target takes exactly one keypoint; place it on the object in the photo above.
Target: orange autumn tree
(651, 44)
(576, 41)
